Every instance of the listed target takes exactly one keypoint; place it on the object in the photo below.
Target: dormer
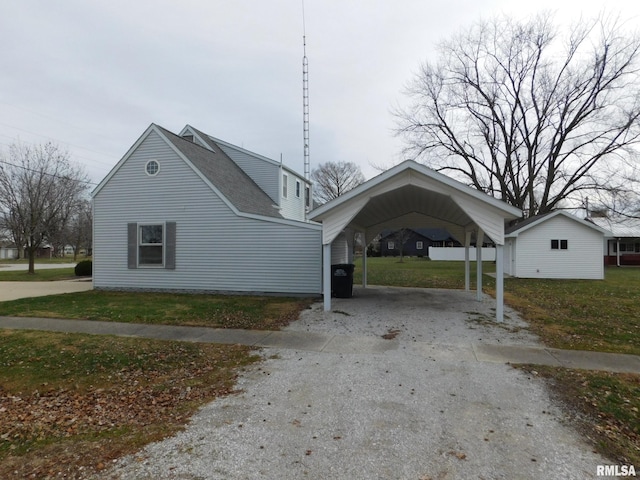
(190, 134)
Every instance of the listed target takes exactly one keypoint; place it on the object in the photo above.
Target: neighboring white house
(555, 245)
(191, 213)
(624, 246)
(8, 251)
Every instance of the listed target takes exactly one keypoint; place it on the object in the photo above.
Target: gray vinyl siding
(215, 249)
(534, 257)
(262, 171)
(293, 207)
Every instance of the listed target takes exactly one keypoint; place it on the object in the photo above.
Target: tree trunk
(32, 259)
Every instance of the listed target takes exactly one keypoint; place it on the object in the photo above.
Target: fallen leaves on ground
(72, 433)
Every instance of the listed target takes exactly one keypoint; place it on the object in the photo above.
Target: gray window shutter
(170, 248)
(132, 245)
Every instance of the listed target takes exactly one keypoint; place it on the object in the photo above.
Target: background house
(415, 241)
(624, 246)
(8, 251)
(191, 213)
(554, 245)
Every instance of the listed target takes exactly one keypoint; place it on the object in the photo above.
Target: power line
(48, 137)
(62, 177)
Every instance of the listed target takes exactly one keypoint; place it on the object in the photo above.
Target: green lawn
(223, 311)
(40, 275)
(416, 272)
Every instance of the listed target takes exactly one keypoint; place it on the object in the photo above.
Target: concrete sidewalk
(337, 344)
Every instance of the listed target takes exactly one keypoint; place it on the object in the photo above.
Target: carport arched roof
(412, 195)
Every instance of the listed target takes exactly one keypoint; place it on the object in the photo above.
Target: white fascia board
(410, 165)
(192, 131)
(283, 221)
(544, 218)
(244, 150)
(259, 157)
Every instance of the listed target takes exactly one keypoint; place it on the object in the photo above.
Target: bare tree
(81, 228)
(523, 114)
(401, 237)
(39, 188)
(333, 179)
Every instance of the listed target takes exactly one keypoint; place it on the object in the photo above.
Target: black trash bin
(342, 280)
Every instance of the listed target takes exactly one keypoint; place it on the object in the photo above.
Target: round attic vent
(152, 167)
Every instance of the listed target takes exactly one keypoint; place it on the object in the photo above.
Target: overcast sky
(92, 75)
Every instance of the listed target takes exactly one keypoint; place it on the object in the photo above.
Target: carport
(411, 195)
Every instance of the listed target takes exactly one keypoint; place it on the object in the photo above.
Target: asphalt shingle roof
(225, 175)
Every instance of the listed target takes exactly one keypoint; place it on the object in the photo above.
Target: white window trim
(419, 245)
(285, 185)
(146, 167)
(298, 188)
(140, 244)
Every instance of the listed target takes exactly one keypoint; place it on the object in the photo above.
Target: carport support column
(467, 268)
(479, 241)
(499, 283)
(364, 262)
(326, 276)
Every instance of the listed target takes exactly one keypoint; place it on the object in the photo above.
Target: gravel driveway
(419, 410)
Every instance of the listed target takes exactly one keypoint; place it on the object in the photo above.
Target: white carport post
(499, 283)
(326, 276)
(479, 241)
(364, 259)
(467, 264)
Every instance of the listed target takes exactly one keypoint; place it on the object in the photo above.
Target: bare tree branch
(39, 189)
(510, 112)
(333, 179)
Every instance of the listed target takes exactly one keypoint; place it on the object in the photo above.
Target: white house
(623, 248)
(555, 245)
(192, 213)
(8, 251)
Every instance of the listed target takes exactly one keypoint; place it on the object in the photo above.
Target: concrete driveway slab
(361, 344)
(16, 290)
(313, 342)
(613, 362)
(514, 354)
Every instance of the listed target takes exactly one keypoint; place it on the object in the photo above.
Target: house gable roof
(217, 144)
(531, 222)
(226, 176)
(217, 169)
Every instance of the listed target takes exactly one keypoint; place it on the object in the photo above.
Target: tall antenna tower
(305, 100)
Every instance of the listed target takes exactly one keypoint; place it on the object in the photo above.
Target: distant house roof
(621, 227)
(433, 234)
(531, 222)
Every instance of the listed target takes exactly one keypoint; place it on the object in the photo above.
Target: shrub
(84, 268)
